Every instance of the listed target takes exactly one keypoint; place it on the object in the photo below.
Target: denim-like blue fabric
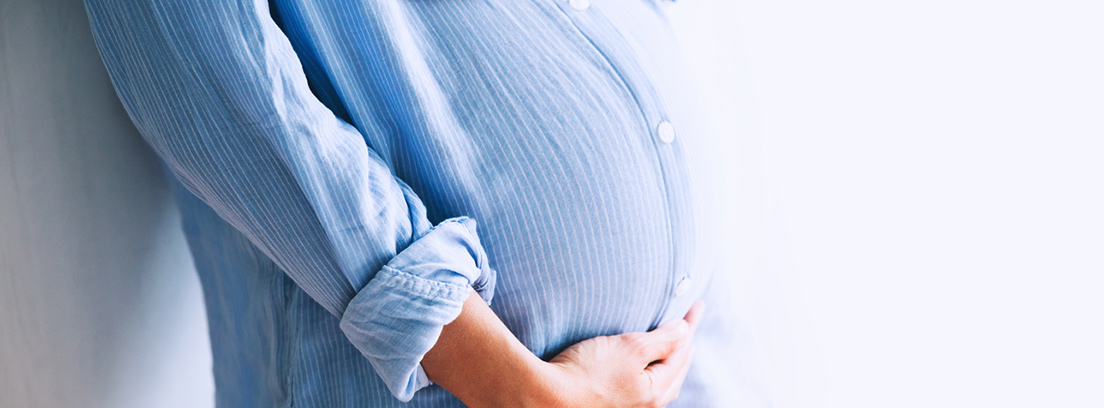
(332, 160)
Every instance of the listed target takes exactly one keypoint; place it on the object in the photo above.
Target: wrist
(543, 385)
(526, 383)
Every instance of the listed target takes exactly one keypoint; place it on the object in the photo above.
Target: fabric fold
(398, 316)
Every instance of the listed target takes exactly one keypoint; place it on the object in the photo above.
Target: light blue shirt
(334, 158)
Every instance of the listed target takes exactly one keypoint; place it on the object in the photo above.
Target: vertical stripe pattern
(348, 171)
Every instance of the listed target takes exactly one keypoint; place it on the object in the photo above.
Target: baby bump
(587, 218)
(581, 241)
(586, 212)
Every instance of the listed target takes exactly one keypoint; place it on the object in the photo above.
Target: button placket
(612, 46)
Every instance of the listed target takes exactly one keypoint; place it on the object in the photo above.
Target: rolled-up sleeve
(218, 92)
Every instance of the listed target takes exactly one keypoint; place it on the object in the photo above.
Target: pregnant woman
(435, 203)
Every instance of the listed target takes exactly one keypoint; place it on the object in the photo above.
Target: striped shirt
(347, 172)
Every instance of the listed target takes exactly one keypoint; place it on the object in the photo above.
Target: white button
(579, 4)
(683, 286)
(666, 132)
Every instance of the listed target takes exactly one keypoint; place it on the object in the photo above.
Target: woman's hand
(482, 363)
(626, 370)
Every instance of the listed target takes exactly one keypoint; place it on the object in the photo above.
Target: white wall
(99, 305)
(919, 189)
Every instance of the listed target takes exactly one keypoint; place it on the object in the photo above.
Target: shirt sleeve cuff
(421, 379)
(398, 315)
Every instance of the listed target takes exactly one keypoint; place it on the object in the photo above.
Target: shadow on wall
(99, 305)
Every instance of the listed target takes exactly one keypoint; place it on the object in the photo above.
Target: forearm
(482, 363)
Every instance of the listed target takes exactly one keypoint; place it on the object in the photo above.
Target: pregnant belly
(588, 218)
(582, 244)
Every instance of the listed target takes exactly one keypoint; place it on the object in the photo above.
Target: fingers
(670, 373)
(673, 390)
(693, 317)
(666, 339)
(660, 343)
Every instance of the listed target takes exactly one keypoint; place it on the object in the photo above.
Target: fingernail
(683, 327)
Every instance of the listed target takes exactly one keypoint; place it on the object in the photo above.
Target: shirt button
(683, 286)
(666, 132)
(579, 4)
